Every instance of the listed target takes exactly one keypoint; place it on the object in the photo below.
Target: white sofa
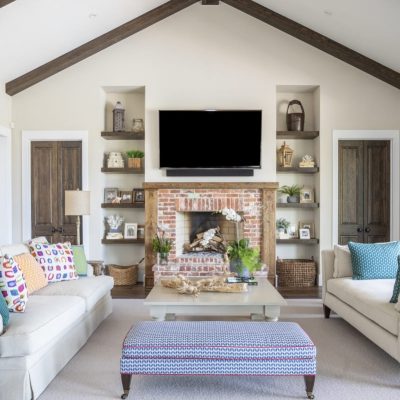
(363, 304)
(57, 322)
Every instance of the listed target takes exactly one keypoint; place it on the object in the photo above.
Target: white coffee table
(260, 302)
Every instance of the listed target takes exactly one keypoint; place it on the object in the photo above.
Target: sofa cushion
(35, 278)
(12, 285)
(396, 287)
(14, 249)
(4, 313)
(370, 298)
(374, 260)
(342, 266)
(91, 290)
(45, 318)
(56, 260)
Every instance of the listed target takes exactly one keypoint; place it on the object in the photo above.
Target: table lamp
(77, 202)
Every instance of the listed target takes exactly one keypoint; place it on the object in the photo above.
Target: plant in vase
(292, 192)
(135, 158)
(244, 260)
(162, 246)
(282, 225)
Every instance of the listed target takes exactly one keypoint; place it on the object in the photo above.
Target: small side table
(98, 267)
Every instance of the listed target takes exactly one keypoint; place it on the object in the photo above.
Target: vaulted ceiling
(33, 32)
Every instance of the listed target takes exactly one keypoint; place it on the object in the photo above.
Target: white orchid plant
(231, 215)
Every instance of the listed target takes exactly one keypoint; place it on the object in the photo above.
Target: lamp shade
(77, 202)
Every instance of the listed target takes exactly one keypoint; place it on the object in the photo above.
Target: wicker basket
(123, 275)
(296, 273)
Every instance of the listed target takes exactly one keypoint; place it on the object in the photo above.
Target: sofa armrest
(328, 259)
(1, 324)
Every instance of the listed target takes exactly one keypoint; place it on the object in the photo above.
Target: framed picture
(140, 232)
(307, 195)
(304, 234)
(139, 195)
(308, 225)
(130, 231)
(110, 194)
(126, 196)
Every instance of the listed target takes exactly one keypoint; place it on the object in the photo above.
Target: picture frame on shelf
(293, 231)
(304, 234)
(126, 196)
(307, 195)
(307, 225)
(110, 195)
(138, 195)
(131, 230)
(140, 232)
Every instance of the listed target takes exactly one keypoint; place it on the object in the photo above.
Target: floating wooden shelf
(123, 170)
(297, 135)
(297, 241)
(122, 205)
(297, 205)
(122, 241)
(122, 135)
(298, 170)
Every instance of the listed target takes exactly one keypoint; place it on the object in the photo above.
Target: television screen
(210, 139)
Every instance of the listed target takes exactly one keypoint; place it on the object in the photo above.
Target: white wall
(199, 58)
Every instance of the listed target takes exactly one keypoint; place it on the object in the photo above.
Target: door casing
(393, 137)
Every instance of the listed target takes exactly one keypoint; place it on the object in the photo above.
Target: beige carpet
(349, 366)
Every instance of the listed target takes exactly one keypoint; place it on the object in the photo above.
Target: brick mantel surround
(164, 200)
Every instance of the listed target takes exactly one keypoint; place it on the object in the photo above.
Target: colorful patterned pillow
(12, 285)
(56, 260)
(396, 287)
(374, 260)
(33, 273)
(4, 312)
(80, 260)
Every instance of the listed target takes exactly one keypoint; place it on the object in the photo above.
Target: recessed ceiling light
(328, 12)
(92, 15)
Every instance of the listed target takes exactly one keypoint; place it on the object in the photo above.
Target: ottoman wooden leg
(126, 384)
(309, 381)
(327, 311)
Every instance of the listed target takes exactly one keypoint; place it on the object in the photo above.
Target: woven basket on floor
(296, 272)
(123, 275)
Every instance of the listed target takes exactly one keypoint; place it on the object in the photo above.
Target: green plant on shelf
(292, 192)
(135, 154)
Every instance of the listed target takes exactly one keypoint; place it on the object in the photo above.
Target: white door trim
(6, 187)
(27, 138)
(393, 137)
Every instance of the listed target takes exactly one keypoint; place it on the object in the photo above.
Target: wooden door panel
(44, 188)
(377, 191)
(350, 191)
(70, 178)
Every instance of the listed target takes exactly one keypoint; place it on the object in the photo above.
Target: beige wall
(203, 57)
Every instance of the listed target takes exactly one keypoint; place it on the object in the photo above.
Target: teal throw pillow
(396, 288)
(4, 311)
(374, 260)
(80, 260)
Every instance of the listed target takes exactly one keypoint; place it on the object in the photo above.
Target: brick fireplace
(171, 204)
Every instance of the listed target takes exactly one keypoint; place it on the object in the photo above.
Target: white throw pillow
(342, 267)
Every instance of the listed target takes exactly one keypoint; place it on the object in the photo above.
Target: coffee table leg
(272, 313)
(126, 384)
(309, 381)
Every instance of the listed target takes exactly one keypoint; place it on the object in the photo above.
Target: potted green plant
(293, 193)
(244, 260)
(135, 158)
(282, 226)
(162, 246)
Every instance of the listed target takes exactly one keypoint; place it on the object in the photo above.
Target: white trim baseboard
(27, 138)
(393, 137)
(6, 188)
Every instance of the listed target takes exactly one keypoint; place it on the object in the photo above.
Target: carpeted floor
(349, 366)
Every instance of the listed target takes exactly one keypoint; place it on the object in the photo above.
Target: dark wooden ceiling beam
(210, 2)
(94, 46)
(317, 40)
(5, 2)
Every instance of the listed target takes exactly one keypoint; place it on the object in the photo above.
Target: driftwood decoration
(210, 240)
(214, 284)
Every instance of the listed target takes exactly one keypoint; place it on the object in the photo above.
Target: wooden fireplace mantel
(267, 189)
(210, 185)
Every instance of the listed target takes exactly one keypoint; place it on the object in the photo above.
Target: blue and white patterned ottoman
(217, 348)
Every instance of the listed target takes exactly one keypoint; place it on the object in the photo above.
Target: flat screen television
(210, 139)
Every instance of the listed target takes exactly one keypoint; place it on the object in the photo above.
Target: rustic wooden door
(364, 191)
(55, 167)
